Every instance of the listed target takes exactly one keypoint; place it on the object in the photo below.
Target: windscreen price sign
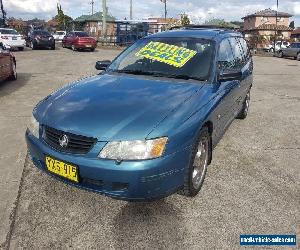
(166, 53)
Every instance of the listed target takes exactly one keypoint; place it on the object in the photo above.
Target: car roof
(205, 33)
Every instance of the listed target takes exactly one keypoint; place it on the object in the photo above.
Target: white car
(278, 46)
(59, 35)
(11, 39)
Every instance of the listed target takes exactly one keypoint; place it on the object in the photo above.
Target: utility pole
(276, 26)
(92, 3)
(166, 12)
(104, 13)
(3, 14)
(131, 10)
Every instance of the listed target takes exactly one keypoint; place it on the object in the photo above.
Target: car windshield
(181, 58)
(8, 32)
(41, 33)
(81, 34)
(60, 33)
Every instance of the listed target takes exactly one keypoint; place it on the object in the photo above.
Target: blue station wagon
(146, 126)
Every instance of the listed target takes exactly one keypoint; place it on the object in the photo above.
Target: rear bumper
(135, 181)
(14, 44)
(85, 45)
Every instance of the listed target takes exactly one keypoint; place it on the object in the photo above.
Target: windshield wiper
(185, 77)
(159, 74)
(134, 72)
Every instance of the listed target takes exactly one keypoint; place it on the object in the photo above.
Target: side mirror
(229, 76)
(102, 65)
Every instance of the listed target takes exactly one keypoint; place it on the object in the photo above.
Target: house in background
(263, 23)
(296, 34)
(92, 24)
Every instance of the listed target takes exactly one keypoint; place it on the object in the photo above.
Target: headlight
(34, 127)
(134, 150)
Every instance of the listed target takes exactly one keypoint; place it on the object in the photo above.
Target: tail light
(5, 37)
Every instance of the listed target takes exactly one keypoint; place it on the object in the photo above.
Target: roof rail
(204, 26)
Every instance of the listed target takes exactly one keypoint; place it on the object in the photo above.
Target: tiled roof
(272, 27)
(296, 31)
(97, 17)
(268, 13)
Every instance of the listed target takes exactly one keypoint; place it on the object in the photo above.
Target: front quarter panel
(182, 125)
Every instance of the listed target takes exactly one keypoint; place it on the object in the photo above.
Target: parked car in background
(292, 51)
(146, 127)
(79, 40)
(40, 39)
(278, 46)
(59, 35)
(11, 39)
(8, 66)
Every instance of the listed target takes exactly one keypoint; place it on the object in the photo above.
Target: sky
(198, 10)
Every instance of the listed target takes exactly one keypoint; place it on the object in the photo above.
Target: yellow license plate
(62, 169)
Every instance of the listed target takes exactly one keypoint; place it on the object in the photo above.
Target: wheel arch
(210, 126)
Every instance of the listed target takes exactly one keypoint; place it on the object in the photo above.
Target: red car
(7, 66)
(77, 40)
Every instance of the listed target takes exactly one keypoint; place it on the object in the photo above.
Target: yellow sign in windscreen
(166, 53)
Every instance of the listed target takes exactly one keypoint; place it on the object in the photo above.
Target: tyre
(195, 173)
(298, 57)
(21, 48)
(280, 54)
(53, 47)
(32, 46)
(93, 49)
(63, 45)
(14, 74)
(245, 110)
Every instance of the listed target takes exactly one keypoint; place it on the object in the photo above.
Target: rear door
(238, 91)
(226, 90)
(246, 69)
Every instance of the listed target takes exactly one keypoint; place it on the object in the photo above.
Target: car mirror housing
(102, 65)
(229, 76)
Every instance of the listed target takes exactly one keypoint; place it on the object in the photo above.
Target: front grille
(77, 144)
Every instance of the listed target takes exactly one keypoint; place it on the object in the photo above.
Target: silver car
(292, 51)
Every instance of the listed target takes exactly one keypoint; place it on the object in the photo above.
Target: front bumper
(136, 180)
(44, 43)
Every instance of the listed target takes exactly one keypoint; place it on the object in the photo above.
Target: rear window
(41, 33)
(81, 34)
(60, 33)
(8, 32)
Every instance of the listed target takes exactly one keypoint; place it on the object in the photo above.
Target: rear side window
(245, 48)
(225, 58)
(238, 52)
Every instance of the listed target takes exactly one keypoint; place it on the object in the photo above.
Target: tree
(292, 25)
(63, 21)
(185, 19)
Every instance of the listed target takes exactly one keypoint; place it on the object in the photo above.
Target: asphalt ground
(252, 185)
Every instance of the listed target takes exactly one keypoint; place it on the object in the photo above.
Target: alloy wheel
(247, 103)
(200, 163)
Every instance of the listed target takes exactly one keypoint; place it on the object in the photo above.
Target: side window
(246, 51)
(225, 57)
(237, 53)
